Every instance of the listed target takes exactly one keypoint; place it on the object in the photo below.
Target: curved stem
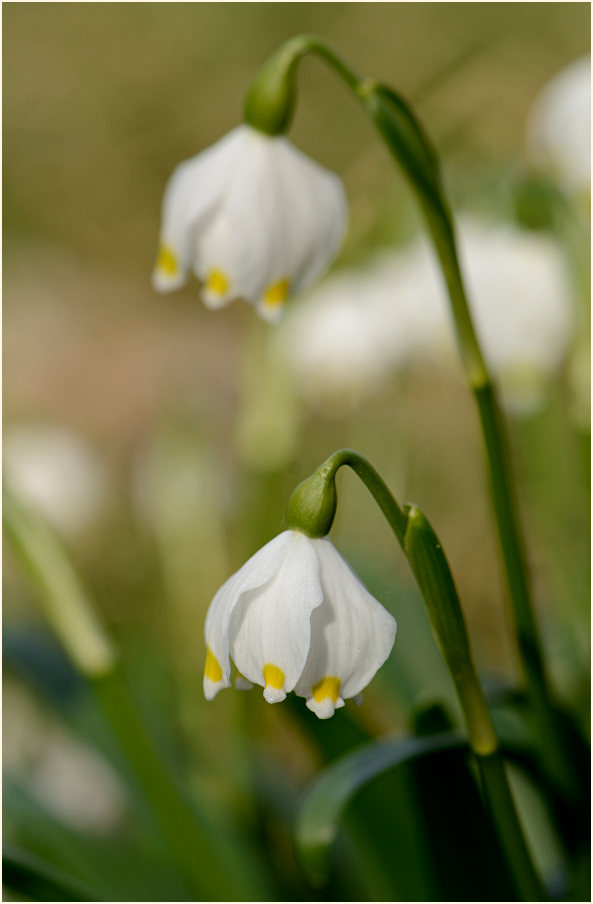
(304, 44)
(68, 608)
(394, 515)
(411, 148)
(435, 581)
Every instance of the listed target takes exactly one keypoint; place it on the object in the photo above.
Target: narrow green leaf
(65, 601)
(33, 878)
(328, 797)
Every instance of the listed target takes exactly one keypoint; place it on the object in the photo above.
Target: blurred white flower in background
(523, 305)
(559, 126)
(254, 218)
(58, 472)
(360, 327)
(346, 337)
(75, 783)
(330, 342)
(296, 617)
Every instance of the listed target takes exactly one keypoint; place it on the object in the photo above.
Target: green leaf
(407, 142)
(407, 819)
(33, 878)
(329, 795)
(128, 864)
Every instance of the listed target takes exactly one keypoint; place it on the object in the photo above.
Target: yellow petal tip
(273, 676)
(327, 689)
(276, 293)
(212, 669)
(166, 262)
(217, 283)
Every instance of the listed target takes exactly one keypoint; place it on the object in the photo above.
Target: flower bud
(271, 97)
(312, 506)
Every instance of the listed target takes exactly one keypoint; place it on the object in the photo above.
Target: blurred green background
(101, 101)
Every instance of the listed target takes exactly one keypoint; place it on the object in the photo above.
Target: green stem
(433, 575)
(274, 89)
(193, 844)
(497, 793)
(195, 851)
(377, 487)
(34, 879)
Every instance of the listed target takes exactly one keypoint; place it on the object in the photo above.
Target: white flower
(329, 341)
(559, 125)
(253, 217)
(296, 617)
(352, 332)
(357, 329)
(59, 473)
(73, 781)
(523, 307)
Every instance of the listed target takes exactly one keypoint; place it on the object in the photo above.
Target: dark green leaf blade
(330, 794)
(34, 878)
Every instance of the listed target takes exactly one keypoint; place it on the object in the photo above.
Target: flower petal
(255, 573)
(245, 239)
(270, 628)
(352, 636)
(281, 221)
(313, 214)
(191, 195)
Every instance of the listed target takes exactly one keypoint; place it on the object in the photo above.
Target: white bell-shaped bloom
(253, 217)
(559, 125)
(58, 472)
(296, 617)
(358, 328)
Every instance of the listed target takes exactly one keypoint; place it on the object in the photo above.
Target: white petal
(242, 684)
(256, 572)
(351, 635)
(271, 625)
(191, 196)
(250, 216)
(285, 216)
(324, 709)
(559, 124)
(313, 214)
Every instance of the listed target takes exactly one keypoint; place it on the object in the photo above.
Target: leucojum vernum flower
(296, 617)
(253, 217)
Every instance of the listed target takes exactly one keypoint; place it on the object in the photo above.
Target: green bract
(312, 506)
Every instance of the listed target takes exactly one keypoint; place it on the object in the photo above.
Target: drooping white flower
(559, 125)
(353, 331)
(523, 306)
(253, 217)
(58, 472)
(358, 328)
(296, 617)
(72, 780)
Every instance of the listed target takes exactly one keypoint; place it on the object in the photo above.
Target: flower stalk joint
(271, 96)
(312, 507)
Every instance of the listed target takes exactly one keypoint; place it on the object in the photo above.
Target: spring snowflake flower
(296, 617)
(59, 473)
(253, 217)
(559, 125)
(357, 329)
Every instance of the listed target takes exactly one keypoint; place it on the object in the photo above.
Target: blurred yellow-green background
(101, 101)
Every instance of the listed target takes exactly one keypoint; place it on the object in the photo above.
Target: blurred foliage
(101, 101)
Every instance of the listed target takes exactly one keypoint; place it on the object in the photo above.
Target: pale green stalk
(311, 509)
(269, 107)
(193, 845)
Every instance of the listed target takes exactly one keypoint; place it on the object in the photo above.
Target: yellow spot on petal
(277, 293)
(273, 676)
(167, 261)
(217, 282)
(212, 669)
(327, 687)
